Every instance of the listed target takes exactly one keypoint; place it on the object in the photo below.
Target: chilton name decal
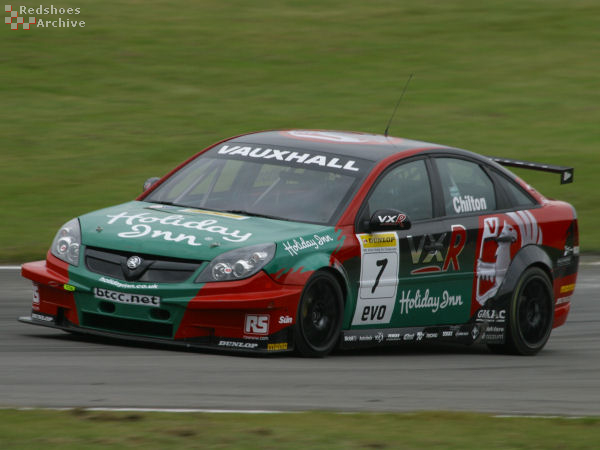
(468, 203)
(289, 156)
(139, 228)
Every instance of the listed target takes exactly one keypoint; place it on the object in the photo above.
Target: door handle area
(432, 248)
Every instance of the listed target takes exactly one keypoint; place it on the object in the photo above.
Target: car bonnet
(181, 232)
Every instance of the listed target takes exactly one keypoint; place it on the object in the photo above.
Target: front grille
(129, 326)
(153, 269)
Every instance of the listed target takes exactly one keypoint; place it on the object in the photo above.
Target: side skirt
(488, 332)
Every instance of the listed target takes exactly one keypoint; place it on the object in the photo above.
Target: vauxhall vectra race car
(308, 240)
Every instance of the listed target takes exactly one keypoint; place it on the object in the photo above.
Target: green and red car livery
(308, 240)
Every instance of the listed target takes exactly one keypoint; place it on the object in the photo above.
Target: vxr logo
(392, 220)
(14, 20)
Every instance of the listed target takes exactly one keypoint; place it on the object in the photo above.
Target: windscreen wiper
(161, 202)
(253, 214)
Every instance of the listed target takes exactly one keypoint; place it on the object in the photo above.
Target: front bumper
(252, 315)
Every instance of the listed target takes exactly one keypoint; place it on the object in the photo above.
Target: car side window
(405, 188)
(466, 187)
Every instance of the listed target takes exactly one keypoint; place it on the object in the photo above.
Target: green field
(317, 430)
(87, 114)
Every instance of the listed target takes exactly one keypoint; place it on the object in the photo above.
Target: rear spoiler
(566, 173)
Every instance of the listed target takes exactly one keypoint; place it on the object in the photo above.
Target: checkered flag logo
(14, 20)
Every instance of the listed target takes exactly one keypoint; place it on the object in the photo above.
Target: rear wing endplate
(566, 173)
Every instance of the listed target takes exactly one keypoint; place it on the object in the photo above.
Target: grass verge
(88, 429)
(89, 113)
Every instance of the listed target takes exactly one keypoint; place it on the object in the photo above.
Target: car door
(467, 193)
(389, 257)
(423, 276)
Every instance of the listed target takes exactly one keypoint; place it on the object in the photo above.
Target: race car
(309, 240)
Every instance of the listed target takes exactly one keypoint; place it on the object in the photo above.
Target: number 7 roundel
(378, 278)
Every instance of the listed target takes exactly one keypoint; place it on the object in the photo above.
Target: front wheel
(531, 314)
(319, 318)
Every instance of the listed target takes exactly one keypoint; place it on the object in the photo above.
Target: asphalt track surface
(41, 367)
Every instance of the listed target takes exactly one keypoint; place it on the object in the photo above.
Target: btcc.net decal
(122, 297)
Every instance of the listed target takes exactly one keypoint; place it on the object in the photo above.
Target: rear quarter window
(516, 196)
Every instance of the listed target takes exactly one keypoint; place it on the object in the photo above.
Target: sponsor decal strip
(393, 336)
(290, 156)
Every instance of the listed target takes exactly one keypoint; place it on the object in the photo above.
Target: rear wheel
(319, 318)
(531, 315)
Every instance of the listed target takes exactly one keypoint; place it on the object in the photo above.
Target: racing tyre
(531, 315)
(319, 318)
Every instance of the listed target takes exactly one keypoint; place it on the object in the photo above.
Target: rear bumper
(561, 312)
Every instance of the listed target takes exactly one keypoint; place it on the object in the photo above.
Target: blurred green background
(87, 114)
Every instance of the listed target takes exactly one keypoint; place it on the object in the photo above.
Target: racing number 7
(379, 263)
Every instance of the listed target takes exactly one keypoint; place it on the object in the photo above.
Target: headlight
(237, 264)
(67, 242)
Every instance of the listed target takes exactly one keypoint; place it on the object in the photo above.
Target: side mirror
(149, 182)
(389, 219)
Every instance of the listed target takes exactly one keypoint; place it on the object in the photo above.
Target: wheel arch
(529, 256)
(341, 277)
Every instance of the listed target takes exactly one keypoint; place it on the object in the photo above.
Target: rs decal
(256, 324)
(378, 278)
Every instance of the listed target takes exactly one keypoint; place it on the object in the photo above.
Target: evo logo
(373, 313)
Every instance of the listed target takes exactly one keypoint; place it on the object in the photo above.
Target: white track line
(165, 410)
(533, 416)
(260, 411)
(10, 267)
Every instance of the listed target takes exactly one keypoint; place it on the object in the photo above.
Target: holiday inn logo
(15, 17)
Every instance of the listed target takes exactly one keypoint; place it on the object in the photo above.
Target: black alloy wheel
(531, 314)
(319, 318)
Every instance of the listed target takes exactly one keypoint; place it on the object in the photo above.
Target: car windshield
(260, 186)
